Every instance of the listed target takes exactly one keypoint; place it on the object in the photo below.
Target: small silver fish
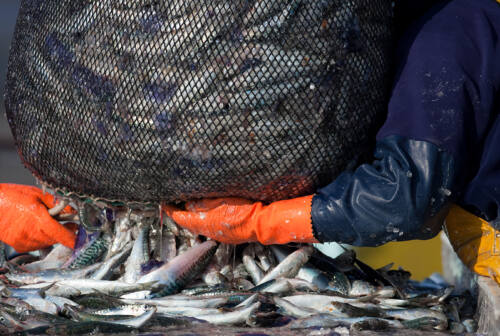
(55, 259)
(234, 317)
(174, 275)
(138, 256)
(105, 271)
(291, 265)
(293, 310)
(51, 275)
(250, 264)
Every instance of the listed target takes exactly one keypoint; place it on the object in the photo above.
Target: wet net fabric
(161, 100)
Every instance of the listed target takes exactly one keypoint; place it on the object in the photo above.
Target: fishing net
(156, 100)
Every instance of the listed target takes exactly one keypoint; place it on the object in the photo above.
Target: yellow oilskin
(475, 241)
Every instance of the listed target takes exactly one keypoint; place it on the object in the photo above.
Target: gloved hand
(25, 223)
(236, 221)
(475, 241)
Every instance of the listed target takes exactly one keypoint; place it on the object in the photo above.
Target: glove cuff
(475, 241)
(286, 221)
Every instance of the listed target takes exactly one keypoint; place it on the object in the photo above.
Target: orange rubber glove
(236, 221)
(25, 223)
(475, 241)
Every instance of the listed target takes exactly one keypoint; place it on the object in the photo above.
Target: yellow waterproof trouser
(475, 241)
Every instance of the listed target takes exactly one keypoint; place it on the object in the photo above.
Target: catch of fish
(136, 270)
(252, 98)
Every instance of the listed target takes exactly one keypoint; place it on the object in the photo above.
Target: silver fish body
(138, 256)
(330, 321)
(51, 275)
(105, 270)
(250, 264)
(234, 317)
(55, 259)
(174, 275)
(291, 265)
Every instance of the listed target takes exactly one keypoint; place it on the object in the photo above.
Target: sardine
(250, 264)
(55, 259)
(42, 305)
(307, 272)
(291, 265)
(122, 234)
(56, 289)
(51, 275)
(124, 309)
(168, 246)
(180, 301)
(280, 286)
(234, 317)
(174, 275)
(187, 311)
(331, 321)
(423, 323)
(416, 313)
(96, 301)
(339, 283)
(242, 284)
(265, 256)
(293, 310)
(115, 288)
(136, 321)
(138, 256)
(60, 301)
(322, 303)
(361, 288)
(106, 269)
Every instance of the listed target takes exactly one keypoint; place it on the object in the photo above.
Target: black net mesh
(168, 100)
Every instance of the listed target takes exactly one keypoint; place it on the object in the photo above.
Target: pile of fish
(137, 270)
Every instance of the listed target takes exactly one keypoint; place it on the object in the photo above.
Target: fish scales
(93, 253)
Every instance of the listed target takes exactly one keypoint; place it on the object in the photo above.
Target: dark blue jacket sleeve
(408, 184)
(439, 113)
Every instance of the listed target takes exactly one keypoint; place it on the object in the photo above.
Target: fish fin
(385, 268)
(43, 290)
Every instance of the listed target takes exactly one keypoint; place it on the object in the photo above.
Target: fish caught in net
(158, 100)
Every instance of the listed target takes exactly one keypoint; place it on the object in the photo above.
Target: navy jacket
(440, 142)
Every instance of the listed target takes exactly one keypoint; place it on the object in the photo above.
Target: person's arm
(439, 111)
(25, 223)
(402, 195)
